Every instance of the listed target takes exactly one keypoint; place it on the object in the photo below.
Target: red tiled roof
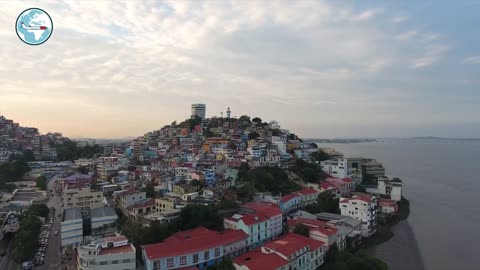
(307, 191)
(347, 179)
(116, 238)
(147, 203)
(288, 197)
(192, 241)
(249, 219)
(315, 224)
(268, 209)
(386, 202)
(116, 250)
(327, 186)
(255, 259)
(291, 243)
(358, 196)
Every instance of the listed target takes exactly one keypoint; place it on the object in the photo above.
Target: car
(56, 233)
(2, 252)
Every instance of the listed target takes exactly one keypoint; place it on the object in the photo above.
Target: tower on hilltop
(199, 109)
(228, 112)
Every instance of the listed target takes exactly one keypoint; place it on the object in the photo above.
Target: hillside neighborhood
(206, 193)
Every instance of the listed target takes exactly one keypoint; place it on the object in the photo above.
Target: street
(53, 254)
(6, 262)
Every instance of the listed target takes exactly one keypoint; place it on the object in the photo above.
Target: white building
(130, 197)
(110, 253)
(199, 109)
(390, 188)
(336, 168)
(261, 221)
(362, 207)
(281, 143)
(290, 251)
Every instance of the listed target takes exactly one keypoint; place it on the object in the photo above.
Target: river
(441, 180)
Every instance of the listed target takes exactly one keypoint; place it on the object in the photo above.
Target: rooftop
(307, 191)
(316, 224)
(102, 212)
(268, 209)
(77, 177)
(291, 243)
(117, 250)
(191, 241)
(257, 260)
(72, 214)
(143, 204)
(288, 197)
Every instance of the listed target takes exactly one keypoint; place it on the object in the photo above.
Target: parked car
(2, 252)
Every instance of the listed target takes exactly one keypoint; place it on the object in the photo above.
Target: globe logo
(34, 26)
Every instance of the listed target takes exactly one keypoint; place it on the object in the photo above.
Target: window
(206, 255)
(183, 260)
(126, 261)
(156, 265)
(195, 258)
(114, 262)
(103, 262)
(217, 252)
(170, 262)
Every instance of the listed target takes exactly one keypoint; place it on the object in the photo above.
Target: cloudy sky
(321, 68)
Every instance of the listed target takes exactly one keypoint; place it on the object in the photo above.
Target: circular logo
(34, 26)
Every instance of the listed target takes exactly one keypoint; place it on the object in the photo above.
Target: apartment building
(261, 221)
(130, 197)
(110, 253)
(82, 197)
(362, 207)
(291, 251)
(198, 247)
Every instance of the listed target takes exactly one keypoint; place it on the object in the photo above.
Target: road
(53, 254)
(6, 262)
(53, 251)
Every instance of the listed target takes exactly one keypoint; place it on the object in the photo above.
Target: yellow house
(164, 204)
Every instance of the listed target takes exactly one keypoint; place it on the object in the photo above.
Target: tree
(253, 135)
(320, 156)
(225, 264)
(268, 179)
(41, 182)
(39, 210)
(302, 230)
(244, 119)
(257, 120)
(26, 238)
(28, 156)
(195, 215)
(82, 169)
(325, 203)
(344, 260)
(150, 190)
(13, 170)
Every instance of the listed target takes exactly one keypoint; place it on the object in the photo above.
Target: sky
(323, 69)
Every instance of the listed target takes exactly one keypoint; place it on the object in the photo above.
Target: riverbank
(363, 258)
(385, 229)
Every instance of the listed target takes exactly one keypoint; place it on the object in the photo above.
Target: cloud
(407, 35)
(472, 60)
(399, 19)
(432, 55)
(366, 15)
(145, 62)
